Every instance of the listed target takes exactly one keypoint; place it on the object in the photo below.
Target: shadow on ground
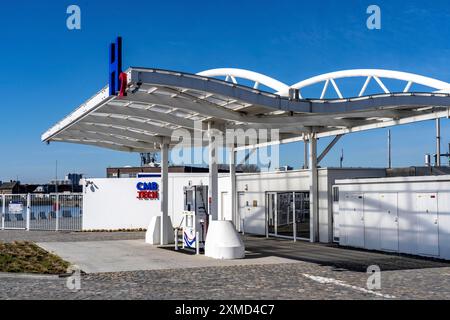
(334, 256)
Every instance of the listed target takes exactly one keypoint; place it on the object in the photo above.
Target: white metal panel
(354, 219)
(389, 222)
(225, 212)
(407, 222)
(427, 224)
(419, 232)
(372, 217)
(444, 222)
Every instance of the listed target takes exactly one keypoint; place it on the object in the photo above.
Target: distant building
(74, 178)
(132, 172)
(12, 187)
(15, 187)
(71, 183)
(52, 188)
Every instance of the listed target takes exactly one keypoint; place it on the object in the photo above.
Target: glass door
(285, 215)
(302, 215)
(288, 215)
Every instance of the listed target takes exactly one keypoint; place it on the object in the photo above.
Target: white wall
(225, 187)
(325, 195)
(254, 186)
(403, 200)
(112, 204)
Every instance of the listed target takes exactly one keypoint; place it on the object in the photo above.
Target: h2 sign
(117, 79)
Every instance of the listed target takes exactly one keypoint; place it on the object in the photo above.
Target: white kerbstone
(223, 241)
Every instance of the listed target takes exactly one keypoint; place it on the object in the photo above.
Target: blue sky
(48, 70)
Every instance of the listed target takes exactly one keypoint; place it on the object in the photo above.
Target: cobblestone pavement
(52, 236)
(280, 281)
(320, 273)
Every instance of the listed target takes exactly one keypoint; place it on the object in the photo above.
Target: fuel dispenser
(195, 216)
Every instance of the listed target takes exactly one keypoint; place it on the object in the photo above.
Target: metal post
(232, 160)
(57, 212)
(3, 211)
(176, 239)
(197, 243)
(28, 211)
(314, 216)
(305, 154)
(164, 193)
(294, 217)
(438, 142)
(213, 188)
(389, 150)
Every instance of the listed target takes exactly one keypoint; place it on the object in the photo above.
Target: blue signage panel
(115, 66)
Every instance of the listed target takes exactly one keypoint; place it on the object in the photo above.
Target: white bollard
(176, 239)
(28, 212)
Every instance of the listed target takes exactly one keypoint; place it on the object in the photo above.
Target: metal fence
(51, 212)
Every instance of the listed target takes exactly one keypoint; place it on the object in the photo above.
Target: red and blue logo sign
(147, 190)
(117, 79)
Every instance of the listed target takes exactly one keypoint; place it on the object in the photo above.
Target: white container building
(407, 214)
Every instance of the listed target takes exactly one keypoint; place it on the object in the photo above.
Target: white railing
(49, 212)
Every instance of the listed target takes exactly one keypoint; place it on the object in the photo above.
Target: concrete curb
(30, 276)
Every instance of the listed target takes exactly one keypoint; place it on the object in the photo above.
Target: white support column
(305, 154)
(213, 187)
(313, 196)
(164, 194)
(233, 187)
(438, 142)
(3, 210)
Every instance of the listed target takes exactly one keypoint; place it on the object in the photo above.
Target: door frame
(276, 235)
(239, 221)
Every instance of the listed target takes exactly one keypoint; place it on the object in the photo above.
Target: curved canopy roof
(158, 102)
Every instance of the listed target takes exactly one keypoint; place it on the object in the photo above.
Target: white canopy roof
(160, 101)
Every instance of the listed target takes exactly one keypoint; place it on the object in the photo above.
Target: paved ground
(51, 236)
(337, 257)
(310, 272)
(135, 255)
(280, 281)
